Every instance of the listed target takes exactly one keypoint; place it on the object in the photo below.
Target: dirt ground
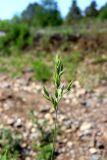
(82, 117)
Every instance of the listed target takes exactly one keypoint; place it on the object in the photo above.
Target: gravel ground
(82, 118)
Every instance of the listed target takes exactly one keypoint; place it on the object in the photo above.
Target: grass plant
(55, 98)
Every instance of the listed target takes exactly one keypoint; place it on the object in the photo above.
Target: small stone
(10, 121)
(8, 104)
(38, 88)
(1, 126)
(34, 136)
(95, 157)
(62, 150)
(29, 125)
(76, 84)
(48, 116)
(61, 118)
(87, 103)
(86, 126)
(33, 130)
(80, 92)
(69, 144)
(25, 135)
(67, 101)
(27, 158)
(75, 101)
(24, 145)
(100, 145)
(93, 150)
(68, 124)
(45, 108)
(18, 123)
(75, 125)
(1, 110)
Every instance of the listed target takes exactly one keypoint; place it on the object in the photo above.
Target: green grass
(42, 70)
(88, 69)
(9, 146)
(40, 63)
(71, 64)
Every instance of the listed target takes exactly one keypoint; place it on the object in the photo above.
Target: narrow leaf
(46, 94)
(69, 86)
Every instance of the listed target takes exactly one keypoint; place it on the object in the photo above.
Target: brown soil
(82, 116)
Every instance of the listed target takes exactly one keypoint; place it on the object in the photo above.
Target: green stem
(54, 135)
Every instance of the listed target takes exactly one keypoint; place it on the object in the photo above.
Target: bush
(103, 14)
(42, 71)
(18, 36)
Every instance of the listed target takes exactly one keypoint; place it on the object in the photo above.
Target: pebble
(11, 121)
(76, 84)
(38, 88)
(48, 116)
(69, 144)
(80, 92)
(75, 101)
(93, 150)
(29, 125)
(67, 101)
(33, 130)
(86, 126)
(95, 157)
(18, 123)
(28, 158)
(34, 136)
(68, 123)
(44, 108)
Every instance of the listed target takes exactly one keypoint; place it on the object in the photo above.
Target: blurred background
(43, 28)
(75, 29)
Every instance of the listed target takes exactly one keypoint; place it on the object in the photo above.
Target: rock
(27, 89)
(62, 118)
(7, 93)
(67, 101)
(87, 103)
(93, 150)
(8, 104)
(75, 125)
(75, 101)
(4, 85)
(18, 123)
(11, 121)
(68, 124)
(48, 116)
(38, 88)
(44, 108)
(86, 129)
(33, 130)
(25, 135)
(86, 126)
(100, 145)
(95, 157)
(1, 126)
(76, 84)
(80, 92)
(34, 136)
(27, 158)
(69, 144)
(29, 125)
(23, 145)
